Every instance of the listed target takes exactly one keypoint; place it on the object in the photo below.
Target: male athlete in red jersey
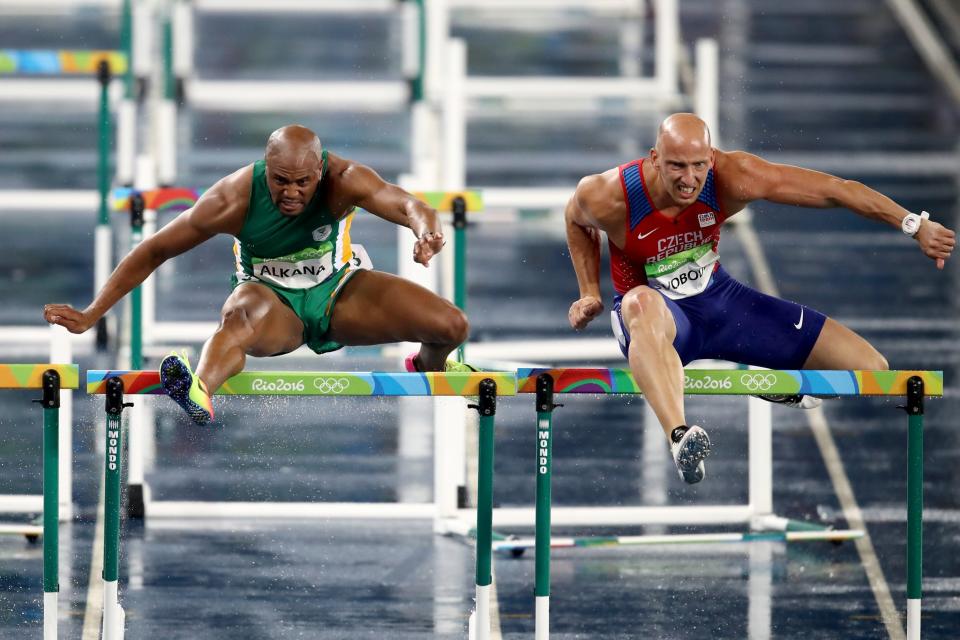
(675, 303)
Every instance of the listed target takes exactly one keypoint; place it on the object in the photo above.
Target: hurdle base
(617, 516)
(30, 531)
(169, 509)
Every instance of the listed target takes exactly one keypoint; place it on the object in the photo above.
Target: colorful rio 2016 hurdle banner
(326, 383)
(173, 199)
(484, 385)
(51, 378)
(915, 385)
(30, 376)
(741, 382)
(544, 383)
(59, 61)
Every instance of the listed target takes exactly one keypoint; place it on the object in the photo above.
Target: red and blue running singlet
(676, 256)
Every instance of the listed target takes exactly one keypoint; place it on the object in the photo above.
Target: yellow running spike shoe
(412, 364)
(185, 388)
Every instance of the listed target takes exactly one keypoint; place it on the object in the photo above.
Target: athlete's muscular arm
(751, 178)
(583, 240)
(221, 209)
(368, 190)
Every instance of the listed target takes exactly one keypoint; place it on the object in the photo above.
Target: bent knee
(457, 327)
(235, 320)
(643, 304)
(878, 362)
(447, 328)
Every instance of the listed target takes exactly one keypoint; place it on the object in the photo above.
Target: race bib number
(683, 274)
(360, 259)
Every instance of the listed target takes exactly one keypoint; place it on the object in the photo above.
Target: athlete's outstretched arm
(215, 212)
(753, 178)
(390, 202)
(583, 241)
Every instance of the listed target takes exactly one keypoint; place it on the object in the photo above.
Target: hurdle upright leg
(545, 407)
(914, 505)
(487, 407)
(51, 502)
(113, 616)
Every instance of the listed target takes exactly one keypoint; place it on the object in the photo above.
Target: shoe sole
(176, 380)
(695, 450)
(803, 402)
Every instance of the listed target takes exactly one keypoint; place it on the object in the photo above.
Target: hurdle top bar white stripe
(34, 7)
(258, 96)
(618, 7)
(295, 6)
(81, 93)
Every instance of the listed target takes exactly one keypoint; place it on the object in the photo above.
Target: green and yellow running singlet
(293, 252)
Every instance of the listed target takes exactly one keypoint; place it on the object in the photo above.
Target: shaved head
(682, 157)
(293, 157)
(684, 129)
(294, 143)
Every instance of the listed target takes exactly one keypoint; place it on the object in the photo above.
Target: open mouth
(685, 191)
(290, 205)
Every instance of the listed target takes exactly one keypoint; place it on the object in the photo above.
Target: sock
(677, 434)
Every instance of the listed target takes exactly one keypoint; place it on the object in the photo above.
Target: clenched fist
(583, 311)
(428, 245)
(936, 241)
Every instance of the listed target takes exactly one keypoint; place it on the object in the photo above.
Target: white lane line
(851, 511)
(494, 606)
(831, 457)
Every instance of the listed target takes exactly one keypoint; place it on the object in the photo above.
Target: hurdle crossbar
(322, 383)
(180, 198)
(516, 546)
(739, 382)
(176, 199)
(483, 385)
(30, 376)
(327, 383)
(545, 382)
(59, 61)
(51, 378)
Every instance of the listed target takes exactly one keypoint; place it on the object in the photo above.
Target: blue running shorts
(731, 321)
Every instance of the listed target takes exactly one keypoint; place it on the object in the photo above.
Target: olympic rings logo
(331, 385)
(758, 381)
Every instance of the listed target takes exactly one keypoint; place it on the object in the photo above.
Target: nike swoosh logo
(644, 235)
(800, 324)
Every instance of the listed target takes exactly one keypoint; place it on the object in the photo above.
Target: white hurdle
(61, 352)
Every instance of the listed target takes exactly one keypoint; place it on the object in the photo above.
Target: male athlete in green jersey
(299, 279)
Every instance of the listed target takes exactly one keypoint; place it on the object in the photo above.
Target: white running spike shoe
(794, 401)
(689, 452)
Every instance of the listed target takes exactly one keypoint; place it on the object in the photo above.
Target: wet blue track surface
(367, 579)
